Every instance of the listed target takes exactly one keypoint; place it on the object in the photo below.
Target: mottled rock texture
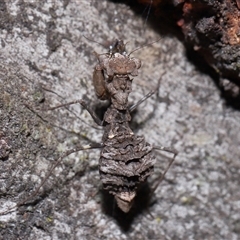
(42, 47)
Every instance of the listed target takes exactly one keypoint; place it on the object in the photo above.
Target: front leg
(99, 83)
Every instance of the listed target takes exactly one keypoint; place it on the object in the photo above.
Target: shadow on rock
(125, 220)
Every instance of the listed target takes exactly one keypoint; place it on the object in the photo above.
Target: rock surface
(43, 47)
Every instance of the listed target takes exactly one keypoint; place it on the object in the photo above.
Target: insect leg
(99, 83)
(85, 106)
(132, 108)
(96, 119)
(65, 154)
(165, 149)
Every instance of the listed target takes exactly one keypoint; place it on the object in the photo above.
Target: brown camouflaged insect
(126, 159)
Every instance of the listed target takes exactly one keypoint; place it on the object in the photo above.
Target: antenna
(94, 41)
(144, 46)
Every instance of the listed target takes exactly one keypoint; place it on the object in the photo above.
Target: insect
(126, 159)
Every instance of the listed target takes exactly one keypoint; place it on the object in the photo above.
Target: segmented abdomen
(125, 162)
